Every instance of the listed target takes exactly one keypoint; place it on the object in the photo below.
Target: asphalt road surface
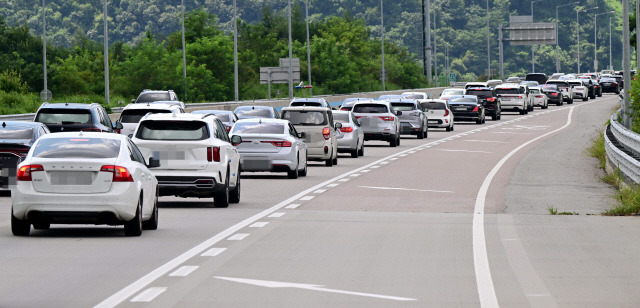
(459, 219)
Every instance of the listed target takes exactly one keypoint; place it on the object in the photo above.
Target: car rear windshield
(607, 80)
(153, 97)
(258, 128)
(134, 115)
(77, 147)
(480, 93)
(463, 100)
(534, 91)
(310, 104)
(341, 117)
(576, 84)
(299, 117)
(559, 84)
(253, 113)
(452, 92)
(16, 133)
(414, 96)
(508, 91)
(434, 106)
(370, 108)
(402, 106)
(550, 87)
(64, 116)
(173, 130)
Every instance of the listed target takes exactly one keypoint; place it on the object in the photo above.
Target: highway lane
(398, 234)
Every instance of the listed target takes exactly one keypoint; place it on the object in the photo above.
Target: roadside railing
(623, 149)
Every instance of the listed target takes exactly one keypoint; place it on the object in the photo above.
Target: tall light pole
(308, 46)
(557, 39)
(626, 63)
(533, 58)
(595, 40)
(184, 55)
(637, 27)
(435, 47)
(384, 75)
(290, 55)
(106, 55)
(428, 39)
(235, 52)
(489, 45)
(44, 50)
(610, 47)
(578, 10)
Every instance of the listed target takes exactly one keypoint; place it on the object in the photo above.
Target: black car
(609, 85)
(541, 78)
(16, 138)
(619, 79)
(489, 99)
(553, 94)
(65, 117)
(467, 108)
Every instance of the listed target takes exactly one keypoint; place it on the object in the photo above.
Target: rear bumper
(348, 143)
(188, 186)
(271, 163)
(379, 136)
(466, 116)
(409, 127)
(438, 123)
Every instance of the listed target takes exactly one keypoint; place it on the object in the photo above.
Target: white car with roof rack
(197, 157)
(415, 95)
(132, 113)
(311, 101)
(447, 93)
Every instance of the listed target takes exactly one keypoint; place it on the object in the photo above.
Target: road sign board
(452, 78)
(278, 75)
(532, 33)
(295, 62)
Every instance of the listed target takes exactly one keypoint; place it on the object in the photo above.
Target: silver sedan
(353, 136)
(271, 145)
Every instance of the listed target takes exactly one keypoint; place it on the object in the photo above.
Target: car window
(221, 131)
(77, 147)
(135, 115)
(434, 105)
(453, 92)
(534, 91)
(370, 108)
(507, 91)
(292, 131)
(16, 132)
(304, 117)
(104, 118)
(172, 130)
(153, 97)
(253, 113)
(480, 93)
(341, 117)
(258, 128)
(63, 116)
(403, 106)
(463, 100)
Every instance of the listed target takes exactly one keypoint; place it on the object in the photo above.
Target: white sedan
(84, 178)
(539, 99)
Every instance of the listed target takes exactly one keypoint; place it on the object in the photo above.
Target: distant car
(489, 99)
(66, 117)
(467, 108)
(512, 98)
(580, 90)
(84, 177)
(524, 89)
(349, 102)
(412, 120)
(513, 79)
(378, 121)
(539, 98)
(320, 131)
(553, 94)
(415, 95)
(271, 145)
(438, 112)
(176, 103)
(387, 97)
(493, 82)
(132, 113)
(565, 88)
(197, 157)
(353, 140)
(556, 75)
(475, 84)
(591, 86)
(530, 83)
(312, 102)
(16, 138)
(619, 79)
(610, 85)
(149, 96)
(252, 112)
(447, 93)
(228, 118)
(596, 84)
(541, 78)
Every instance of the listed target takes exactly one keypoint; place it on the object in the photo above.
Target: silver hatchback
(353, 139)
(378, 121)
(320, 132)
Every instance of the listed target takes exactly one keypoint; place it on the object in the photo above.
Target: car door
(301, 147)
(233, 158)
(147, 179)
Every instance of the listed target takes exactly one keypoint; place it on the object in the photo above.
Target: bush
(11, 81)
(15, 103)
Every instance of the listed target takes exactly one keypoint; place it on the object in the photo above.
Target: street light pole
(489, 45)
(533, 58)
(435, 47)
(557, 39)
(626, 63)
(290, 55)
(106, 55)
(637, 27)
(428, 40)
(44, 47)
(184, 56)
(595, 40)
(308, 46)
(235, 52)
(383, 74)
(610, 47)
(578, 10)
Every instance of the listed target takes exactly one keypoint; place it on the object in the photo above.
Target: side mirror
(153, 163)
(499, 95)
(337, 125)
(130, 136)
(235, 140)
(117, 125)
(133, 101)
(399, 113)
(302, 135)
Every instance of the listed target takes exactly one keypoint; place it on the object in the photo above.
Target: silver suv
(378, 121)
(320, 132)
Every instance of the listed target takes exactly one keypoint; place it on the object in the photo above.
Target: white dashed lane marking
(292, 206)
(276, 215)
(184, 271)
(306, 198)
(259, 224)
(148, 295)
(238, 237)
(408, 189)
(319, 191)
(213, 252)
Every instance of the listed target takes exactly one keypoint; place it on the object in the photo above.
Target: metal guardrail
(18, 117)
(623, 149)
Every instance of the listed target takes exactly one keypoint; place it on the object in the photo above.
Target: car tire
(234, 194)
(293, 173)
(329, 162)
(303, 172)
(354, 153)
(559, 104)
(361, 151)
(584, 99)
(420, 134)
(393, 142)
(221, 198)
(398, 140)
(133, 227)
(152, 222)
(19, 227)
(522, 112)
(600, 94)
(570, 101)
(335, 160)
(494, 117)
(479, 121)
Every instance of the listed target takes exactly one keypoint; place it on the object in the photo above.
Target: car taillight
(344, 108)
(476, 109)
(387, 118)
(24, 173)
(614, 84)
(228, 128)
(326, 133)
(358, 117)
(539, 96)
(596, 86)
(519, 96)
(346, 129)
(491, 99)
(554, 94)
(280, 144)
(213, 154)
(120, 174)
(446, 112)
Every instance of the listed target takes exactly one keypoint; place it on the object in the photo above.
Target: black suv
(541, 78)
(488, 98)
(150, 96)
(75, 117)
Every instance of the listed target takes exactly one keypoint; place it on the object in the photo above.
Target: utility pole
(308, 46)
(429, 75)
(533, 58)
(610, 47)
(384, 75)
(290, 56)
(106, 55)
(184, 56)
(501, 51)
(435, 47)
(424, 43)
(44, 48)
(235, 52)
(488, 45)
(626, 63)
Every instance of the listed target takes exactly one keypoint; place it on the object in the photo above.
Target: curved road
(459, 219)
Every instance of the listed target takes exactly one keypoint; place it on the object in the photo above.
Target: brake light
(326, 133)
(280, 144)
(554, 94)
(387, 118)
(24, 173)
(346, 129)
(476, 109)
(228, 128)
(446, 112)
(491, 99)
(597, 86)
(539, 96)
(213, 154)
(519, 96)
(344, 108)
(120, 174)
(614, 84)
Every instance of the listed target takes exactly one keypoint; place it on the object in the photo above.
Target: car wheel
(354, 153)
(133, 227)
(234, 194)
(329, 162)
(152, 222)
(426, 133)
(479, 121)
(221, 198)
(494, 117)
(584, 99)
(499, 115)
(335, 160)
(293, 173)
(361, 151)
(398, 140)
(522, 111)
(303, 172)
(570, 101)
(420, 134)
(19, 227)
(600, 94)
(393, 142)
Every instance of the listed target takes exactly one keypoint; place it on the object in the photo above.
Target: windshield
(172, 130)
(153, 97)
(299, 117)
(16, 133)
(508, 91)
(64, 116)
(480, 93)
(452, 92)
(414, 96)
(258, 128)
(463, 100)
(434, 106)
(135, 115)
(402, 106)
(341, 117)
(77, 147)
(253, 113)
(550, 87)
(534, 91)
(370, 108)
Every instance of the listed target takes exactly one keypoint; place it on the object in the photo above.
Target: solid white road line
(484, 281)
(466, 151)
(276, 215)
(184, 271)
(259, 224)
(408, 189)
(213, 252)
(238, 237)
(148, 295)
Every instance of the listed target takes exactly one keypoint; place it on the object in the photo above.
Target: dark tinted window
(173, 130)
(153, 97)
(413, 96)
(253, 113)
(480, 93)
(402, 106)
(341, 117)
(16, 133)
(224, 117)
(311, 104)
(559, 84)
(508, 91)
(434, 106)
(134, 115)
(77, 147)
(370, 108)
(64, 116)
(607, 80)
(258, 128)
(297, 117)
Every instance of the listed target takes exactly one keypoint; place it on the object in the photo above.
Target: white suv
(512, 98)
(197, 158)
(132, 113)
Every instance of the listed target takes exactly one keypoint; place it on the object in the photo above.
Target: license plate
(506, 98)
(257, 164)
(169, 155)
(432, 121)
(461, 109)
(71, 178)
